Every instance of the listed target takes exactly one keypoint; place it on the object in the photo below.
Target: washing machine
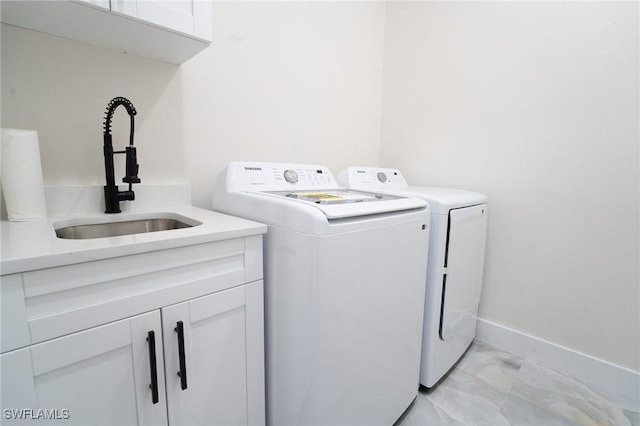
(454, 268)
(344, 292)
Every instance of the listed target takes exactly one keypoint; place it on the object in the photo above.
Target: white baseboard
(618, 382)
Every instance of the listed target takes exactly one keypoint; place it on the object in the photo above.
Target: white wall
(61, 88)
(284, 81)
(536, 105)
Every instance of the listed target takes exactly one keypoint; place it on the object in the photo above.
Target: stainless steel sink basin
(127, 227)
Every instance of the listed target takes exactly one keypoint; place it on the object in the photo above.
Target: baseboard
(619, 382)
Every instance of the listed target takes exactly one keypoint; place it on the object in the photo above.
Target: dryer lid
(391, 181)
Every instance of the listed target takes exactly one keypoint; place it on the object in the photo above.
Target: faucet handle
(131, 171)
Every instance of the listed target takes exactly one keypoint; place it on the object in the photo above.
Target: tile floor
(492, 387)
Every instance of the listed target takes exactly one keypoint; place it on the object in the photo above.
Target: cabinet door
(125, 7)
(97, 376)
(175, 14)
(222, 377)
(192, 17)
(17, 392)
(101, 4)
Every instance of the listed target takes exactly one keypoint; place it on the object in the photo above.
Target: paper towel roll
(22, 182)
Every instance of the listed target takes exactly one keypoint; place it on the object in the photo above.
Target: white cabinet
(97, 376)
(214, 349)
(171, 31)
(169, 337)
(191, 17)
(102, 4)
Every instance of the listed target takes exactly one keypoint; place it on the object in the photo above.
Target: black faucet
(113, 196)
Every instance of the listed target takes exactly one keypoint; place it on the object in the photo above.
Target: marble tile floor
(491, 387)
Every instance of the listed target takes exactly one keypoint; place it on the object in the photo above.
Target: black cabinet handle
(153, 367)
(183, 364)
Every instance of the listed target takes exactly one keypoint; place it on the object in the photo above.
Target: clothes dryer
(344, 292)
(454, 268)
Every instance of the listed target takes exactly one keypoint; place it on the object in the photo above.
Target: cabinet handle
(153, 367)
(183, 365)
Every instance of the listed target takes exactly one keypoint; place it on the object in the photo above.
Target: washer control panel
(372, 179)
(243, 176)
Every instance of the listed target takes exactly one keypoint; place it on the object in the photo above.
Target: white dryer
(455, 264)
(344, 293)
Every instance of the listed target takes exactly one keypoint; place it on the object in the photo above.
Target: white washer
(344, 293)
(455, 265)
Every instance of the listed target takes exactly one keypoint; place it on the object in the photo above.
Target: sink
(138, 225)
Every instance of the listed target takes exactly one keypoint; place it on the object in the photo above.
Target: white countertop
(34, 245)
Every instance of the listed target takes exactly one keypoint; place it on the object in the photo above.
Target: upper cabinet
(171, 31)
(192, 17)
(104, 4)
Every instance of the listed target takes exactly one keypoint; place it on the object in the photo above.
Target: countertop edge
(42, 249)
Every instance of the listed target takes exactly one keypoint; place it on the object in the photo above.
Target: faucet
(112, 195)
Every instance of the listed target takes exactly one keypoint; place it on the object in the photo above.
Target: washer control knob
(291, 176)
(382, 177)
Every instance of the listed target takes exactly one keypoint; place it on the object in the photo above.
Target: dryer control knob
(291, 176)
(382, 177)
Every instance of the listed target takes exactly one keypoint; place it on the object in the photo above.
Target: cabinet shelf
(155, 32)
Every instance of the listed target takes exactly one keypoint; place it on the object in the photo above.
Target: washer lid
(336, 196)
(342, 203)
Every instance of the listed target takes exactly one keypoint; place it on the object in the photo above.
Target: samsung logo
(257, 169)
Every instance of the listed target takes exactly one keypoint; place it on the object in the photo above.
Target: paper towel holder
(112, 195)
